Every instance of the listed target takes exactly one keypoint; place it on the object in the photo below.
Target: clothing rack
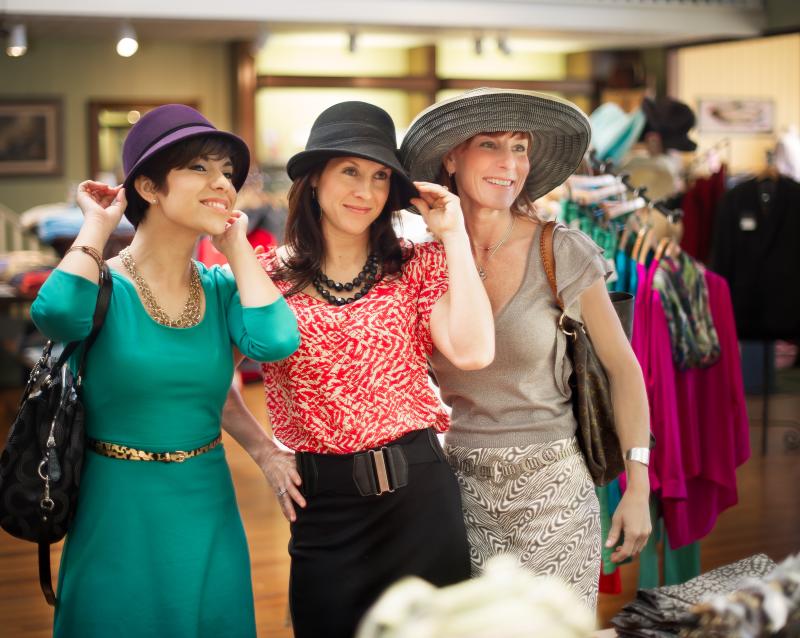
(724, 143)
(605, 167)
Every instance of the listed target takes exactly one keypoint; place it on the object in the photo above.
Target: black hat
(672, 120)
(355, 129)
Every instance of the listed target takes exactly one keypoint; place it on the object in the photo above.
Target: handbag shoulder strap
(100, 311)
(549, 259)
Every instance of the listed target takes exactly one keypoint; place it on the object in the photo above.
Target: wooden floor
(766, 520)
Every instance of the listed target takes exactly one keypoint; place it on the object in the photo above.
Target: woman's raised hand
(234, 235)
(101, 202)
(440, 209)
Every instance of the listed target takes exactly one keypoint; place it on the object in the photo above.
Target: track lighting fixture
(127, 44)
(17, 43)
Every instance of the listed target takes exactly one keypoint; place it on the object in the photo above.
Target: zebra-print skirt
(536, 503)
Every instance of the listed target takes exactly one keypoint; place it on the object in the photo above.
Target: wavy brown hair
(522, 206)
(306, 244)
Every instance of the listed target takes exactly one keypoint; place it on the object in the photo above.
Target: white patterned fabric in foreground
(536, 504)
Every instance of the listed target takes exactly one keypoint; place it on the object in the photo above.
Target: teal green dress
(158, 549)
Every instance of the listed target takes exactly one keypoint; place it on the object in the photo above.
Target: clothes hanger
(590, 181)
(640, 238)
(619, 208)
(662, 247)
(592, 196)
(658, 224)
(676, 234)
(721, 146)
(770, 171)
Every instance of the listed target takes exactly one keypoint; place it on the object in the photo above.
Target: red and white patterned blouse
(359, 378)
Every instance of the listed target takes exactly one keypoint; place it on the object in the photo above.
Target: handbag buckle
(381, 474)
(561, 325)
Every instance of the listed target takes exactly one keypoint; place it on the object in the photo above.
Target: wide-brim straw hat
(353, 129)
(559, 129)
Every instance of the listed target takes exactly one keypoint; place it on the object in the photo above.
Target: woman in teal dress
(157, 547)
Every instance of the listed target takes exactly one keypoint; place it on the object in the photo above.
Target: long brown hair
(306, 244)
(522, 206)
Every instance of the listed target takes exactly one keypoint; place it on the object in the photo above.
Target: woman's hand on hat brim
(440, 209)
(101, 204)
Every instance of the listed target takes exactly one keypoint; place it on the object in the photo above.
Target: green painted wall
(79, 71)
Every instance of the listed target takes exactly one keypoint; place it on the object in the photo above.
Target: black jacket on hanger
(757, 249)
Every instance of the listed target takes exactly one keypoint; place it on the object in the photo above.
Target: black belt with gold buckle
(374, 472)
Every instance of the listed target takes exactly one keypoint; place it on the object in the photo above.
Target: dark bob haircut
(178, 155)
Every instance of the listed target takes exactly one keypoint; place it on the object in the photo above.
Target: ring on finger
(282, 491)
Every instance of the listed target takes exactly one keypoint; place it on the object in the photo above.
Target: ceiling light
(17, 43)
(502, 45)
(260, 41)
(127, 44)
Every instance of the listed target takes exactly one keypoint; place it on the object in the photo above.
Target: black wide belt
(371, 472)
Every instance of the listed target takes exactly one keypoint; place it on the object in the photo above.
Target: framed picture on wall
(30, 137)
(726, 115)
(109, 123)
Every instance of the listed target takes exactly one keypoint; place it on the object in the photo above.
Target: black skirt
(346, 548)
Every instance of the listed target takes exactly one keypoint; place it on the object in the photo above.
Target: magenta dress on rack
(698, 416)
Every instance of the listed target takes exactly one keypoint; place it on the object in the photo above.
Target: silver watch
(638, 454)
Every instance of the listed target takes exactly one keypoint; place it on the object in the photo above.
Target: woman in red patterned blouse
(377, 500)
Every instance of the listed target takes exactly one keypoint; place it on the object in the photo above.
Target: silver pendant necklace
(494, 248)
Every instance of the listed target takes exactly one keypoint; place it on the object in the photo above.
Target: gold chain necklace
(191, 310)
(494, 248)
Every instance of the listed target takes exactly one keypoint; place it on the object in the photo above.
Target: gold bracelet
(92, 252)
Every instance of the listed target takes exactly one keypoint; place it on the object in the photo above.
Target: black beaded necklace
(363, 282)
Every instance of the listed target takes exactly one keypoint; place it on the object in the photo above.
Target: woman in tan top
(525, 486)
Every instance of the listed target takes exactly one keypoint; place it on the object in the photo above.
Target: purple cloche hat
(171, 123)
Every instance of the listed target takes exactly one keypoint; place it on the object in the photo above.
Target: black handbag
(40, 467)
(591, 392)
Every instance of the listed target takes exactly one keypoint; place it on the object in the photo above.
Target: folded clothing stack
(66, 222)
(663, 612)
(768, 607)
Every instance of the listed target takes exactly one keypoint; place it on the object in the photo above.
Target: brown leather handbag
(591, 392)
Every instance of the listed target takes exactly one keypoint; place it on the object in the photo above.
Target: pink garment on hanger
(698, 416)
(652, 345)
(713, 415)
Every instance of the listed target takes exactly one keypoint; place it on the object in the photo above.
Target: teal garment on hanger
(628, 276)
(648, 559)
(607, 567)
(623, 272)
(609, 497)
(680, 564)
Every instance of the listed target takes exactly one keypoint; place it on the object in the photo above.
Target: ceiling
(568, 25)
